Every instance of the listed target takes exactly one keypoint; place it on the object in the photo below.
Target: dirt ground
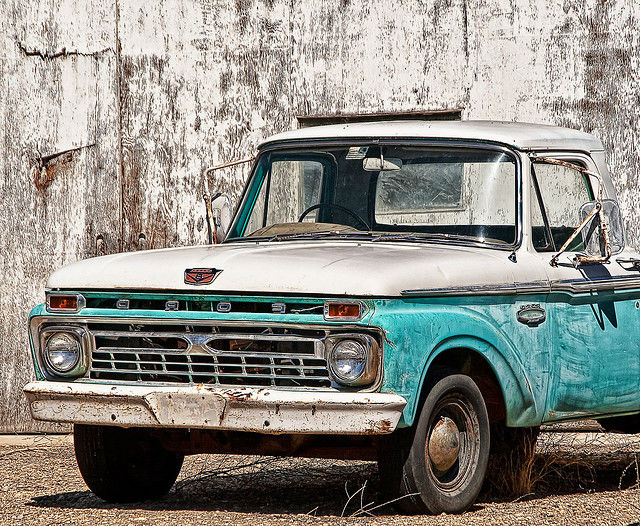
(579, 478)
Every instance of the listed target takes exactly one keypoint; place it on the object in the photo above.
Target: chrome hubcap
(444, 444)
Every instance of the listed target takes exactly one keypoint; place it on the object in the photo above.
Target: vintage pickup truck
(390, 290)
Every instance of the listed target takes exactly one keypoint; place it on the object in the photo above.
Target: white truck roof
(523, 136)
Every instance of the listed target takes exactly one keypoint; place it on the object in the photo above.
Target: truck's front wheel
(441, 466)
(124, 465)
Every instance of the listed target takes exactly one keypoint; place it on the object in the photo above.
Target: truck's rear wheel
(621, 424)
(441, 467)
(124, 465)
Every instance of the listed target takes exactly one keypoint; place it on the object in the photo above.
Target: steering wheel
(331, 205)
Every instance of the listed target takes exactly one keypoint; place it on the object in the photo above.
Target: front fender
(419, 331)
(520, 403)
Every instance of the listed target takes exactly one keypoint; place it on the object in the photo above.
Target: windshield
(382, 192)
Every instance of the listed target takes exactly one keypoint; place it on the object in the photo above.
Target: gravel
(581, 478)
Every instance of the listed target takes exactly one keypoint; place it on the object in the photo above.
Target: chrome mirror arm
(213, 222)
(597, 209)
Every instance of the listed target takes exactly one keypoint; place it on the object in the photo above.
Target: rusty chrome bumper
(207, 407)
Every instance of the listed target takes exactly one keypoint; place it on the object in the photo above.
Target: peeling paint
(50, 55)
(187, 407)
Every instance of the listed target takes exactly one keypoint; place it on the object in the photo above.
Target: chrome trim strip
(574, 286)
(504, 288)
(190, 321)
(596, 285)
(203, 339)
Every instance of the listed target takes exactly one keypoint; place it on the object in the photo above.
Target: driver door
(595, 355)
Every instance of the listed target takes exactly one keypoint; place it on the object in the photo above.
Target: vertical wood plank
(56, 94)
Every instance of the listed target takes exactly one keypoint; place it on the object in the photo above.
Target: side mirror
(595, 243)
(221, 215)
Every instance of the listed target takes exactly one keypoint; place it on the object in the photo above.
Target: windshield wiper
(306, 235)
(374, 236)
(428, 236)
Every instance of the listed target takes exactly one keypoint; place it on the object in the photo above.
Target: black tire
(407, 468)
(629, 425)
(124, 465)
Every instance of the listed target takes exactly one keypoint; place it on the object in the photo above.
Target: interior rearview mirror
(593, 236)
(222, 213)
(379, 164)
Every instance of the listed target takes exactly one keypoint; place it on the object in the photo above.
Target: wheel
(629, 425)
(124, 465)
(440, 466)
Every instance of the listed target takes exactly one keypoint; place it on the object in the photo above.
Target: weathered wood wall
(148, 94)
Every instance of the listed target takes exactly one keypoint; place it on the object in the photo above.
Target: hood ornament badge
(200, 276)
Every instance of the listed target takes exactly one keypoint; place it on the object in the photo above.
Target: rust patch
(45, 174)
(379, 427)
(46, 168)
(237, 395)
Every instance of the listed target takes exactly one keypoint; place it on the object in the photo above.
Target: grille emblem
(172, 305)
(278, 308)
(200, 276)
(224, 306)
(122, 304)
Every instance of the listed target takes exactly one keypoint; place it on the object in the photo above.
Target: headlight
(353, 360)
(348, 361)
(62, 350)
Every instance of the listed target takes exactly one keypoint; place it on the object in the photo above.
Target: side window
(290, 187)
(562, 191)
(295, 186)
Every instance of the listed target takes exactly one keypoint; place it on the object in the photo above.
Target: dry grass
(512, 470)
(523, 466)
(558, 462)
(582, 461)
(577, 478)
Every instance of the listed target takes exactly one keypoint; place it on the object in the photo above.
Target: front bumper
(207, 407)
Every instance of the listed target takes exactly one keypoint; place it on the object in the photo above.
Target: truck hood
(328, 268)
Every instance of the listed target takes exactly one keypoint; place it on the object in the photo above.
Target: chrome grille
(213, 355)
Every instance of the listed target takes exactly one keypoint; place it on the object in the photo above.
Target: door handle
(532, 315)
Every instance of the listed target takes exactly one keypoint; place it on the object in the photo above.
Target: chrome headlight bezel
(371, 370)
(80, 334)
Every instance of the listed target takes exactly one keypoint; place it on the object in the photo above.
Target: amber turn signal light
(343, 310)
(65, 302)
